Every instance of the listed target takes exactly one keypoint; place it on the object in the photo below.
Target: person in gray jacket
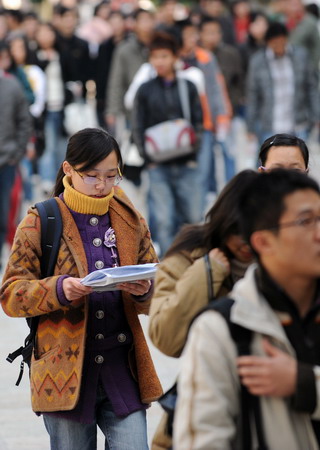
(15, 129)
(127, 59)
(278, 302)
(282, 94)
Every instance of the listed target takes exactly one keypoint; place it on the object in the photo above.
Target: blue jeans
(121, 433)
(55, 150)
(228, 159)
(206, 162)
(207, 165)
(7, 177)
(175, 199)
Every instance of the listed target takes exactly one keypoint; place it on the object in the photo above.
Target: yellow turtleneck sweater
(84, 204)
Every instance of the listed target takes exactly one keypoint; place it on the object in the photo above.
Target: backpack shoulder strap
(184, 97)
(51, 231)
(240, 335)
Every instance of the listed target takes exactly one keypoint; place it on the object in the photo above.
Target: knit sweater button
(99, 264)
(97, 242)
(99, 336)
(100, 314)
(99, 359)
(93, 221)
(122, 337)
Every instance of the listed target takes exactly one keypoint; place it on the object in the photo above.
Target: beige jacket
(208, 400)
(181, 290)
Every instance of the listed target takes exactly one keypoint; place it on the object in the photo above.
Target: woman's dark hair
(283, 140)
(87, 148)
(29, 56)
(99, 6)
(222, 220)
(4, 47)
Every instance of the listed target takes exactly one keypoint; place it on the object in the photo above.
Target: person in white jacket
(278, 300)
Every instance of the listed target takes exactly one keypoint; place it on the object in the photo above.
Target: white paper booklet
(108, 279)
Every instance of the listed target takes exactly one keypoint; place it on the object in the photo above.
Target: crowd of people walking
(155, 91)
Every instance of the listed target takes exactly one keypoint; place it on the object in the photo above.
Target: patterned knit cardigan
(56, 372)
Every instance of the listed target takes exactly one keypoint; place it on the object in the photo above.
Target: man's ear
(262, 241)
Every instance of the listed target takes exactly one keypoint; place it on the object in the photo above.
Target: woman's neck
(84, 204)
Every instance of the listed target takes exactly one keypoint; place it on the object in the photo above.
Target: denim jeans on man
(7, 177)
(55, 150)
(207, 165)
(121, 433)
(175, 199)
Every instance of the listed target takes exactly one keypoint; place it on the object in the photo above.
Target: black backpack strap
(250, 404)
(51, 231)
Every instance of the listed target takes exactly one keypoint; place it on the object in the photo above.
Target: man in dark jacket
(15, 129)
(74, 52)
(174, 188)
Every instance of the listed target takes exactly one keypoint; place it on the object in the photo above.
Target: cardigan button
(97, 242)
(100, 314)
(93, 221)
(122, 338)
(99, 264)
(99, 359)
(99, 336)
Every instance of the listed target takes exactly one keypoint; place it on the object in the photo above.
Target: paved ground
(20, 429)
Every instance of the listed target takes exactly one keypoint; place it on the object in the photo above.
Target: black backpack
(51, 231)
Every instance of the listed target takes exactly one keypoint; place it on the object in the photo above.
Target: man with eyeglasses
(284, 151)
(278, 301)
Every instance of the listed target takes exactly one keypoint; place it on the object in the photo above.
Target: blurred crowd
(259, 63)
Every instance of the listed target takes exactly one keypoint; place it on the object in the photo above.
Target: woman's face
(258, 28)
(45, 37)
(18, 51)
(5, 60)
(239, 248)
(105, 172)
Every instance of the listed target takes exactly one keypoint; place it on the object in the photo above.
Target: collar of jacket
(252, 311)
(277, 297)
(271, 56)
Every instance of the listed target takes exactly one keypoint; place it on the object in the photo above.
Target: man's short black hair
(208, 19)
(185, 23)
(61, 10)
(16, 14)
(262, 202)
(283, 140)
(163, 40)
(30, 15)
(276, 29)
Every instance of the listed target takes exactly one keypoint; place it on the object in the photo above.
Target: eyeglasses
(307, 223)
(296, 169)
(110, 179)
